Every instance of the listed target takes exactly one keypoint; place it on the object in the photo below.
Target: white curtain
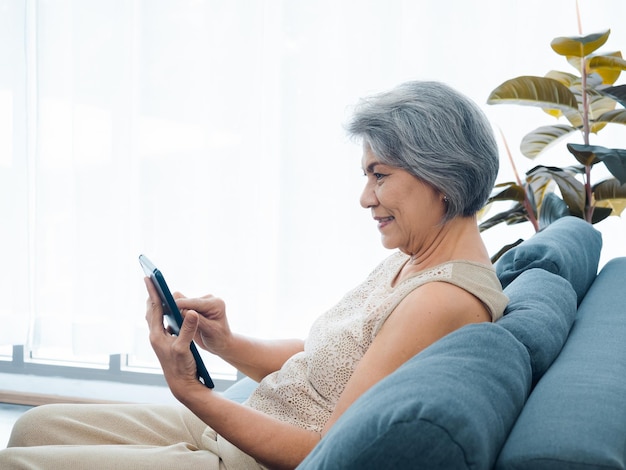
(208, 135)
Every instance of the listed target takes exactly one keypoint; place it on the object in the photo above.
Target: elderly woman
(430, 160)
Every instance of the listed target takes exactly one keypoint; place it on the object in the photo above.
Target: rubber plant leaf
(600, 213)
(618, 93)
(610, 194)
(598, 106)
(613, 159)
(507, 192)
(553, 208)
(567, 79)
(538, 184)
(617, 116)
(572, 190)
(579, 46)
(542, 138)
(608, 66)
(502, 192)
(616, 164)
(512, 216)
(535, 91)
(585, 154)
(504, 249)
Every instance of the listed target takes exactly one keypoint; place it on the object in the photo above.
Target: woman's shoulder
(480, 279)
(476, 277)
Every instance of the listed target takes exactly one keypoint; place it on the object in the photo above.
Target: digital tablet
(173, 316)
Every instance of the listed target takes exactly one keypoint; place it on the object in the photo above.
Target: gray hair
(438, 135)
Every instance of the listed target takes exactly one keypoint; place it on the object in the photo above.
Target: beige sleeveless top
(305, 390)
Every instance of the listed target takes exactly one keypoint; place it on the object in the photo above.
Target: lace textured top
(305, 390)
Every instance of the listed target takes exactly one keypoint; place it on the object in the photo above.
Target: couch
(542, 388)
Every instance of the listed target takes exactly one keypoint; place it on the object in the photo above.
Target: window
(208, 135)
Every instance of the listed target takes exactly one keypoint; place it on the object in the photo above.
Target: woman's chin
(388, 243)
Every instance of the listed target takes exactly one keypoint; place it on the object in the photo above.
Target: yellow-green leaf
(598, 106)
(507, 192)
(617, 206)
(610, 194)
(617, 116)
(539, 184)
(608, 66)
(609, 189)
(579, 46)
(535, 91)
(575, 118)
(539, 140)
(567, 79)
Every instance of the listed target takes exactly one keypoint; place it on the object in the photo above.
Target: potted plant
(585, 102)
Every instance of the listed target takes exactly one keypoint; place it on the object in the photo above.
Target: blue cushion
(569, 247)
(540, 314)
(450, 406)
(576, 416)
(240, 390)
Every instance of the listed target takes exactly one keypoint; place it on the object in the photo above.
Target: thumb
(190, 325)
(178, 295)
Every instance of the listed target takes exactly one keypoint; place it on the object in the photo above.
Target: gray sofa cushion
(454, 404)
(576, 416)
(569, 247)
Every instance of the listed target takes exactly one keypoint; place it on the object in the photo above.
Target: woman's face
(408, 211)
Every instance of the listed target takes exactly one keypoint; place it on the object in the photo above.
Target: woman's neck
(457, 239)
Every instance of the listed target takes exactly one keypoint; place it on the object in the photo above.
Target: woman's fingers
(154, 308)
(207, 306)
(189, 328)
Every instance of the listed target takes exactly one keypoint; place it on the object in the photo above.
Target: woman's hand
(213, 332)
(255, 358)
(173, 352)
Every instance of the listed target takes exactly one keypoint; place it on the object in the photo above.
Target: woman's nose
(368, 197)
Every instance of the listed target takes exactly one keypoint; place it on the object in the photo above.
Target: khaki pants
(118, 437)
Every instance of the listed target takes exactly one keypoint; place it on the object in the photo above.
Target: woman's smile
(383, 221)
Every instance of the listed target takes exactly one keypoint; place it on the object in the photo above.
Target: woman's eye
(378, 176)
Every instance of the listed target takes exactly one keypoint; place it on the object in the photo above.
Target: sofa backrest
(575, 417)
(454, 404)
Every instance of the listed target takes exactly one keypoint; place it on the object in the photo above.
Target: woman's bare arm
(274, 443)
(424, 316)
(255, 358)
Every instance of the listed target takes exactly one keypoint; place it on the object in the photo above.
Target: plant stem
(586, 132)
(588, 206)
(583, 75)
(530, 214)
